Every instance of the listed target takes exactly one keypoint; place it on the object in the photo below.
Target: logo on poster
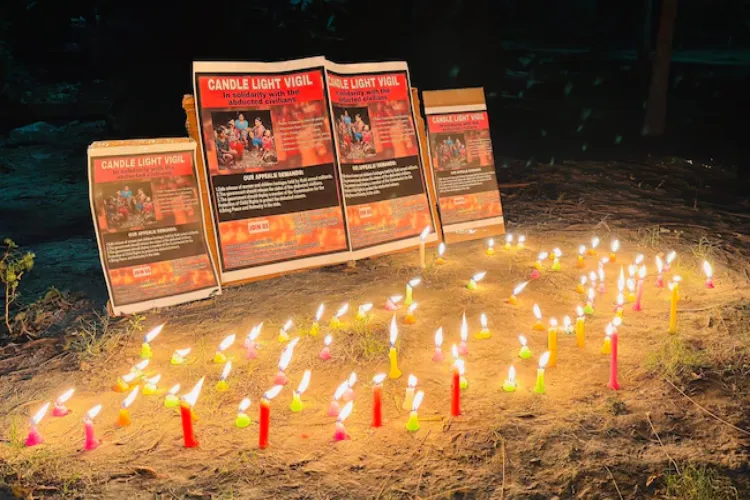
(261, 226)
(140, 272)
(365, 212)
(459, 200)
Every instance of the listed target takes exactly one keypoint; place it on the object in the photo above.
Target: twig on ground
(740, 429)
(614, 482)
(676, 467)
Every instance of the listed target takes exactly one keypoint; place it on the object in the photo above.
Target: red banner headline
(260, 91)
(124, 168)
(458, 122)
(366, 88)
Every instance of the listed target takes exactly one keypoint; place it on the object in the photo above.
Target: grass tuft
(700, 483)
(95, 335)
(676, 360)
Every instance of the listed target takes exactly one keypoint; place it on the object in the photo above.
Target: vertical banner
(463, 165)
(148, 218)
(266, 134)
(386, 199)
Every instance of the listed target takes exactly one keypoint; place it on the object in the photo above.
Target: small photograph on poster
(449, 151)
(244, 139)
(354, 132)
(127, 205)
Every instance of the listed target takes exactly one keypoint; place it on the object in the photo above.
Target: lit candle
(222, 385)
(146, 346)
(513, 300)
(508, 241)
(484, 333)
(581, 252)
(340, 433)
(581, 287)
(325, 353)
(510, 383)
(620, 295)
(540, 388)
(463, 349)
(220, 358)
(34, 438)
(593, 277)
(602, 289)
(265, 415)
(491, 247)
(540, 258)
(422, 238)
(334, 408)
(552, 342)
(614, 246)
(123, 382)
(297, 405)
(709, 274)
(556, 262)
(410, 290)
(60, 410)
(456, 388)
(394, 372)
(284, 360)
(179, 356)
(631, 290)
(315, 328)
(674, 286)
(580, 327)
(409, 395)
(91, 443)
(123, 418)
(639, 293)
(438, 356)
(567, 326)
(410, 318)
(392, 303)
(151, 386)
(607, 345)
(613, 384)
(336, 320)
(138, 368)
(525, 352)
(538, 326)
(670, 258)
(251, 342)
(171, 400)
(284, 331)
(589, 307)
(521, 241)
(377, 400)
(440, 259)
(349, 394)
(412, 425)
(243, 419)
(594, 244)
(475, 279)
(659, 271)
(362, 312)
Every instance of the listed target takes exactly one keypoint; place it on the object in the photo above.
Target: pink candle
(613, 384)
(709, 274)
(463, 350)
(377, 400)
(340, 434)
(91, 442)
(60, 410)
(659, 271)
(325, 353)
(251, 346)
(639, 290)
(438, 356)
(34, 438)
(335, 408)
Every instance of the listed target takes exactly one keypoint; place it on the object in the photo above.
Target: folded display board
(460, 151)
(308, 163)
(149, 223)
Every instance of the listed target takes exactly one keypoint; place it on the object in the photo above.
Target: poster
(383, 185)
(266, 136)
(463, 165)
(148, 218)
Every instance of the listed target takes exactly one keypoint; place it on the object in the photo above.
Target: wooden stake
(656, 111)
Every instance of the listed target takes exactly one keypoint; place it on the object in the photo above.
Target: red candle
(613, 384)
(265, 415)
(88, 424)
(186, 413)
(456, 389)
(377, 400)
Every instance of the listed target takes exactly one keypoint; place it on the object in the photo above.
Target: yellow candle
(410, 291)
(394, 372)
(580, 329)
(552, 342)
(675, 286)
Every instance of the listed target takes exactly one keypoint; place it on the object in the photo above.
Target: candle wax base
(631, 297)
(252, 352)
(535, 274)
(93, 445)
(409, 319)
(440, 261)
(463, 383)
(412, 425)
(242, 420)
(283, 337)
(177, 360)
(297, 404)
(325, 354)
(280, 379)
(602, 289)
(579, 288)
(579, 263)
(220, 358)
(314, 330)
(333, 409)
(121, 386)
(513, 300)
(472, 285)
(539, 387)
(509, 386)
(123, 418)
(335, 324)
(607, 346)
(149, 390)
(341, 435)
(637, 307)
(171, 401)
(614, 385)
(709, 284)
(591, 252)
(491, 251)
(438, 356)
(612, 258)
(390, 306)
(34, 438)
(60, 411)
(659, 282)
(556, 266)
(146, 351)
(483, 335)
(618, 312)
(222, 386)
(524, 353)
(538, 326)
(463, 349)
(588, 309)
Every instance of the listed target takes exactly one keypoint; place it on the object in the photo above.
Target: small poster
(267, 139)
(148, 217)
(462, 159)
(386, 199)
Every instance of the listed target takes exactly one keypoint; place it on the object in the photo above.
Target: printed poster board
(148, 218)
(463, 165)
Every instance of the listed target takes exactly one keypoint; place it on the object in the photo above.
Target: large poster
(462, 161)
(266, 135)
(148, 217)
(385, 194)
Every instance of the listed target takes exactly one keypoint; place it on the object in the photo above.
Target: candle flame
(244, 405)
(659, 264)
(591, 294)
(412, 381)
(642, 272)
(93, 412)
(154, 380)
(620, 299)
(141, 365)
(365, 308)
(292, 343)
(226, 370)
(601, 274)
(491, 242)
(583, 280)
(287, 325)
(414, 282)
(352, 380)
(183, 352)
(412, 308)
(671, 256)
(454, 351)
(64, 396)
(424, 233)
(417, 401)
(327, 341)
(483, 320)
(272, 392)
(228, 341)
(340, 390)
(518, 289)
(537, 312)
(319, 312)
(286, 358)
(592, 277)
(378, 379)
(394, 331)
(441, 249)
(39, 415)
(508, 238)
(631, 270)
(621, 280)
(522, 340)
(511, 374)
(479, 276)
(566, 322)
(131, 397)
(581, 249)
(174, 389)
(631, 284)
(396, 298)
(152, 334)
(305, 382)
(464, 328)
(345, 411)
(638, 259)
(553, 323)
(708, 269)
(192, 397)
(594, 242)
(609, 329)
(615, 245)
(439, 337)
(579, 311)
(129, 377)
(617, 321)
(254, 332)
(557, 253)
(521, 239)
(542, 255)
(543, 359)
(342, 310)
(460, 366)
